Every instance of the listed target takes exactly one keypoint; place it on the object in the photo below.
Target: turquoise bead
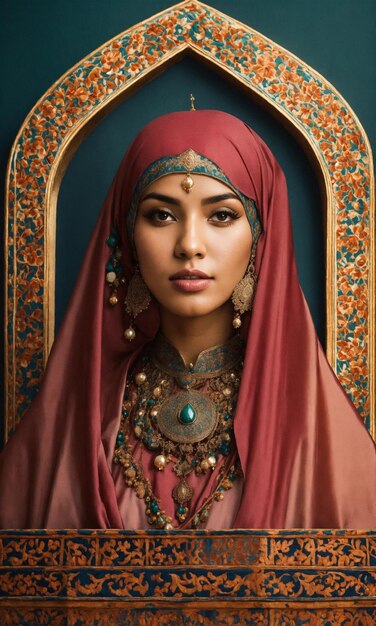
(120, 439)
(154, 507)
(187, 415)
(111, 241)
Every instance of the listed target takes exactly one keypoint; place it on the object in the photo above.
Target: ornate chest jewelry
(185, 416)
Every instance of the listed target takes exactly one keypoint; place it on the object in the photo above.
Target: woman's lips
(190, 280)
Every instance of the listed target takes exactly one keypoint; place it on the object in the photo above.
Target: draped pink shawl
(307, 459)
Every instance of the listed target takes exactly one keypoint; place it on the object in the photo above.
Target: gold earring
(137, 300)
(114, 270)
(243, 294)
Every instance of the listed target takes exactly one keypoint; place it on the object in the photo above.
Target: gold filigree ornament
(189, 160)
(243, 294)
(137, 300)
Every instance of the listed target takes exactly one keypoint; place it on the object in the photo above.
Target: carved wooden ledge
(103, 578)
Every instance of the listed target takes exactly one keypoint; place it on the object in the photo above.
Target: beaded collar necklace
(185, 416)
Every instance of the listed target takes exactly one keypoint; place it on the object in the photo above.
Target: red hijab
(307, 459)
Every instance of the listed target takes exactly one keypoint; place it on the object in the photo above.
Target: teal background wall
(40, 40)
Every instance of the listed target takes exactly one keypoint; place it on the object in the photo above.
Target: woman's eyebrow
(220, 198)
(162, 198)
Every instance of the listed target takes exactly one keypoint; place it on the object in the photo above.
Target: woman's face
(192, 248)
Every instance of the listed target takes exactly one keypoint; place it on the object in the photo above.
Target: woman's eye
(159, 216)
(224, 216)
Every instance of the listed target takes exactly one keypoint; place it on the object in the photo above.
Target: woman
(188, 409)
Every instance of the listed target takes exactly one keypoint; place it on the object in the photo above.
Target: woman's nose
(190, 241)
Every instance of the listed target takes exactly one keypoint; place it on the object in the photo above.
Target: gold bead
(219, 496)
(129, 334)
(157, 392)
(227, 392)
(140, 378)
(212, 461)
(160, 462)
(233, 376)
(204, 465)
(113, 300)
(138, 431)
(236, 322)
(140, 490)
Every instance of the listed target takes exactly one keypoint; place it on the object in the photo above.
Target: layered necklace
(184, 416)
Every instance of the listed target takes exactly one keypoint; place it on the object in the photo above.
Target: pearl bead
(212, 461)
(140, 378)
(129, 334)
(157, 392)
(236, 322)
(169, 527)
(154, 413)
(113, 300)
(110, 277)
(227, 392)
(160, 462)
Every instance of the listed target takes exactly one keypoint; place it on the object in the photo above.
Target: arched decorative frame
(304, 100)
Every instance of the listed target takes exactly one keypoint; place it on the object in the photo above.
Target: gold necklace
(192, 428)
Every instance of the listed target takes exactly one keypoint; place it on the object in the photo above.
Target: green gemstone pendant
(187, 415)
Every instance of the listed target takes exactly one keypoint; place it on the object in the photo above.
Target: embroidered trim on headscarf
(198, 165)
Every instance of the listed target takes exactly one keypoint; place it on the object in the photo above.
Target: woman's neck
(190, 336)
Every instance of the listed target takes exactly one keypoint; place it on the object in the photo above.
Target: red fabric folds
(307, 459)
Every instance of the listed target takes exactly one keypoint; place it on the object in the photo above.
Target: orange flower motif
(135, 68)
(77, 91)
(112, 60)
(136, 44)
(48, 110)
(312, 92)
(38, 122)
(155, 29)
(264, 68)
(93, 77)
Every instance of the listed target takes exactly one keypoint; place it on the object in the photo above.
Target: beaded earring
(243, 294)
(114, 270)
(137, 300)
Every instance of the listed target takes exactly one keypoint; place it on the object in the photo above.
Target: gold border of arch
(304, 101)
